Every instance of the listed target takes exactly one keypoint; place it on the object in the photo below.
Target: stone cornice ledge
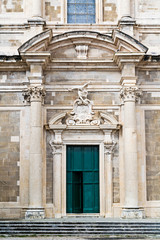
(40, 58)
(122, 58)
(83, 127)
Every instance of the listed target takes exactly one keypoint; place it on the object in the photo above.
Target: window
(81, 11)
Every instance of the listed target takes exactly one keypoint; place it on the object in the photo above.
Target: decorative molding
(133, 213)
(82, 113)
(82, 51)
(109, 148)
(56, 142)
(34, 94)
(33, 214)
(56, 137)
(56, 148)
(82, 116)
(130, 94)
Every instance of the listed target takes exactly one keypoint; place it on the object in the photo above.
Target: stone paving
(73, 238)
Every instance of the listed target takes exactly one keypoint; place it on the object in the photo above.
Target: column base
(132, 213)
(36, 21)
(32, 214)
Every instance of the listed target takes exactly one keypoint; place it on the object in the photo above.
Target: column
(109, 146)
(56, 144)
(34, 95)
(125, 8)
(129, 95)
(36, 22)
(37, 8)
(126, 23)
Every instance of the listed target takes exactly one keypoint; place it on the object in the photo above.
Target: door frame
(101, 175)
(82, 175)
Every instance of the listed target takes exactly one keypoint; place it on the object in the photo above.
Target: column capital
(130, 94)
(56, 148)
(34, 94)
(109, 148)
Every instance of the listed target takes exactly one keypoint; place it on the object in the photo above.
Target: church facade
(79, 109)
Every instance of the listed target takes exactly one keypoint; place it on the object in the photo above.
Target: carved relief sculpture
(130, 94)
(81, 51)
(82, 109)
(34, 93)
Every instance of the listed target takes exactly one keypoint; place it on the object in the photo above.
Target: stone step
(79, 233)
(11, 228)
(80, 227)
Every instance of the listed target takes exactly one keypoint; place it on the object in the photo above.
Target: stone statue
(82, 113)
(82, 93)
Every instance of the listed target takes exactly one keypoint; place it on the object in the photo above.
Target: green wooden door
(82, 179)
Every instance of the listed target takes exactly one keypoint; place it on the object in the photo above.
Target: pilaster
(56, 145)
(109, 146)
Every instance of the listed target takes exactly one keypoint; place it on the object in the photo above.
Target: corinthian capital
(130, 94)
(34, 94)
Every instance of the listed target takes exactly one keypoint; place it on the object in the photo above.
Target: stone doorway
(82, 179)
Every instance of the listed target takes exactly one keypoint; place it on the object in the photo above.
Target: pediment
(102, 120)
(98, 45)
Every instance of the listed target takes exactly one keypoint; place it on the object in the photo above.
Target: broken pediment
(83, 119)
(67, 44)
(83, 114)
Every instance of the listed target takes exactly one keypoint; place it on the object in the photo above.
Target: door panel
(82, 179)
(77, 192)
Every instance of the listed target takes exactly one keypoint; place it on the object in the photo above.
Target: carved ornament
(82, 113)
(56, 148)
(130, 94)
(82, 51)
(109, 148)
(34, 94)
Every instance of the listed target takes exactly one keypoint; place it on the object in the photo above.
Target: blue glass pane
(81, 18)
(81, 11)
(81, 8)
(91, 19)
(81, 1)
(91, 1)
(71, 19)
(91, 9)
(71, 9)
(71, 1)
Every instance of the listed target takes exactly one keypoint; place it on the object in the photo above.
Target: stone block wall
(152, 128)
(110, 11)
(11, 98)
(148, 77)
(9, 155)
(53, 10)
(147, 8)
(151, 98)
(10, 6)
(12, 77)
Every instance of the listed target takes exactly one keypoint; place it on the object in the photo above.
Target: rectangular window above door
(81, 11)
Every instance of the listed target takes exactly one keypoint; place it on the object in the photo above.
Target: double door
(82, 179)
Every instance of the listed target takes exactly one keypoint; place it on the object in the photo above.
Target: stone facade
(152, 154)
(10, 156)
(79, 84)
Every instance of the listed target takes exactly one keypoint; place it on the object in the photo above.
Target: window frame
(98, 13)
